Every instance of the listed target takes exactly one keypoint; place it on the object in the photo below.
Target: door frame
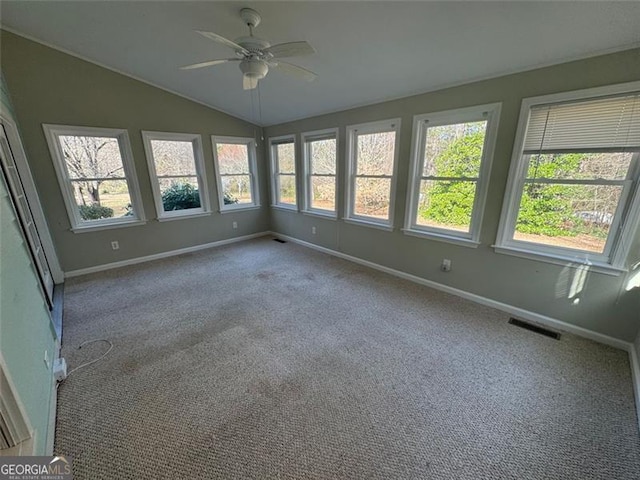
(22, 165)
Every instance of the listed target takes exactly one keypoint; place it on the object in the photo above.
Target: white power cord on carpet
(92, 361)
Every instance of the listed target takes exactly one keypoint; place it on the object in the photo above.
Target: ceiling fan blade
(295, 70)
(209, 63)
(291, 49)
(224, 41)
(249, 83)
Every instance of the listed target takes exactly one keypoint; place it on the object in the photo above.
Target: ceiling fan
(256, 55)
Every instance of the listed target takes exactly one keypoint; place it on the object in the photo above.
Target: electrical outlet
(235, 224)
(446, 265)
(313, 230)
(115, 245)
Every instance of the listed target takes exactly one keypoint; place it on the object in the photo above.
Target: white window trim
(367, 128)
(79, 225)
(306, 170)
(274, 170)
(203, 190)
(421, 123)
(614, 262)
(253, 173)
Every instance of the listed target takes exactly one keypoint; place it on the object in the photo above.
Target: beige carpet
(268, 360)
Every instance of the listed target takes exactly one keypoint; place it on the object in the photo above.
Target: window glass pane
(236, 189)
(102, 199)
(179, 193)
(573, 216)
(323, 193)
(233, 158)
(609, 166)
(286, 158)
(173, 157)
(375, 153)
(323, 156)
(372, 197)
(287, 193)
(91, 157)
(445, 204)
(454, 150)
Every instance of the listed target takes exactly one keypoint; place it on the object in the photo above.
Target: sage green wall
(605, 306)
(48, 86)
(26, 331)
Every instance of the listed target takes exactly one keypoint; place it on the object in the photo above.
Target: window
(283, 168)
(320, 158)
(177, 174)
(97, 176)
(573, 189)
(372, 156)
(451, 160)
(235, 162)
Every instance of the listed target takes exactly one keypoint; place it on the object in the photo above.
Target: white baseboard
(53, 407)
(157, 256)
(635, 374)
(517, 311)
(53, 411)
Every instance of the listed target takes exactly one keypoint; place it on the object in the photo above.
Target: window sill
(286, 208)
(239, 209)
(441, 237)
(181, 216)
(366, 223)
(565, 261)
(107, 226)
(316, 213)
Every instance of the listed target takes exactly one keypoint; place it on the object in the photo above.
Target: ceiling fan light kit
(256, 55)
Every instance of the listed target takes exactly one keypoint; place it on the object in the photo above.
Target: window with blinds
(605, 124)
(578, 176)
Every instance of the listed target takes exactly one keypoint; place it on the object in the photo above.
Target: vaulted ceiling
(366, 51)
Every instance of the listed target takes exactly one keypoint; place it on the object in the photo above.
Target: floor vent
(279, 240)
(534, 328)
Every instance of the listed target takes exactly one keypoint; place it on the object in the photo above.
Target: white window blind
(603, 124)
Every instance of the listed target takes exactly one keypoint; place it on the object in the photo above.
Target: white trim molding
(157, 256)
(199, 172)
(635, 375)
(252, 172)
(624, 223)
(353, 131)
(17, 429)
(513, 310)
(52, 134)
(274, 170)
(489, 113)
(22, 165)
(307, 138)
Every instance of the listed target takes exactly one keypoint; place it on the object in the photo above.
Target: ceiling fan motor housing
(254, 45)
(254, 68)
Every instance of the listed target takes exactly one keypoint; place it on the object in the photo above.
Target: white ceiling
(366, 51)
